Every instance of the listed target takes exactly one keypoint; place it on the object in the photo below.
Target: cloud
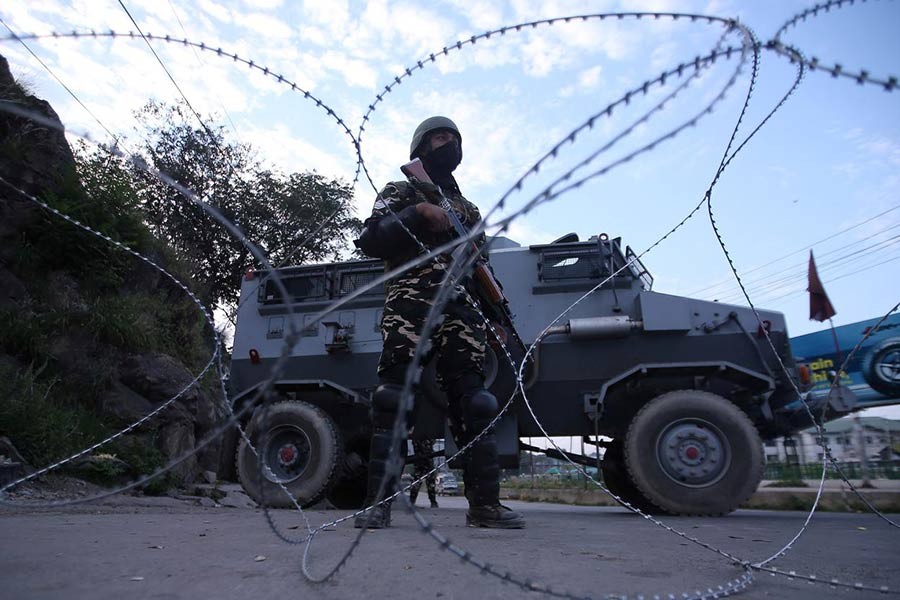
(883, 148)
(264, 4)
(527, 233)
(22, 18)
(282, 147)
(333, 15)
(216, 10)
(590, 78)
(315, 35)
(481, 14)
(268, 27)
(354, 72)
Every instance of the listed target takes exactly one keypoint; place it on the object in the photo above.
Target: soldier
(402, 210)
(423, 464)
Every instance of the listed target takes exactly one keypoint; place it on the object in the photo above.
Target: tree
(301, 216)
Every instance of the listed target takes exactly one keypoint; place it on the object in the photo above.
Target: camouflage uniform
(423, 464)
(460, 340)
(396, 232)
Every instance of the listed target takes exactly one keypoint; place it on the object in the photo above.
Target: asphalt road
(165, 548)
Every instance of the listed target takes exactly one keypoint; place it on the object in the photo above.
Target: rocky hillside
(91, 339)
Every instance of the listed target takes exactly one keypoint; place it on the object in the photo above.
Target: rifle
(490, 294)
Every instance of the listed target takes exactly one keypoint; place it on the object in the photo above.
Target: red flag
(820, 307)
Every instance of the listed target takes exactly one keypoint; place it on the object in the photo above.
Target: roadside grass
(45, 423)
(143, 322)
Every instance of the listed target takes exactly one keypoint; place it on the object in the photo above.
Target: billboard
(873, 372)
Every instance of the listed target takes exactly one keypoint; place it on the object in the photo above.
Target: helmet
(427, 126)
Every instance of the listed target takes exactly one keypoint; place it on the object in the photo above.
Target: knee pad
(481, 406)
(385, 405)
(465, 386)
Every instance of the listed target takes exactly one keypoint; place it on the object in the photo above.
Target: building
(848, 438)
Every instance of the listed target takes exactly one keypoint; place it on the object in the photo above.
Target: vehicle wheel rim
(287, 454)
(693, 452)
(889, 366)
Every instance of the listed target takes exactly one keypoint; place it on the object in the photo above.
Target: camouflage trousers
(458, 342)
(422, 465)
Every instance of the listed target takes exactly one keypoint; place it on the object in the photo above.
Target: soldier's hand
(436, 217)
(500, 339)
(430, 190)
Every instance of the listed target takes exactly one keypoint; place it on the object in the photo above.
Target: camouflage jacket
(386, 233)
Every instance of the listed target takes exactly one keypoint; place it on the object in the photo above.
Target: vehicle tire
(881, 368)
(694, 453)
(302, 450)
(226, 465)
(349, 492)
(618, 481)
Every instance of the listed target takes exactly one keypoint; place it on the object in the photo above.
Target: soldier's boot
(385, 405)
(379, 516)
(482, 474)
(413, 494)
(432, 492)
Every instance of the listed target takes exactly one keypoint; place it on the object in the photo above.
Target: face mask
(441, 161)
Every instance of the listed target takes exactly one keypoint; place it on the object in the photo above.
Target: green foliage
(788, 483)
(41, 418)
(145, 458)
(14, 141)
(104, 469)
(275, 211)
(544, 482)
(144, 322)
(90, 302)
(60, 245)
(27, 334)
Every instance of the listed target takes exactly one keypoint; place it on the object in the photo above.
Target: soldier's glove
(497, 342)
(436, 217)
(431, 191)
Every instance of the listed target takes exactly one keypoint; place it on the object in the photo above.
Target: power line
(60, 82)
(842, 276)
(202, 65)
(839, 262)
(836, 272)
(172, 79)
(805, 248)
(733, 287)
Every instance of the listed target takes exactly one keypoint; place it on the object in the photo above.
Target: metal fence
(874, 470)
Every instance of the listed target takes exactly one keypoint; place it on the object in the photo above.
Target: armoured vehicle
(680, 392)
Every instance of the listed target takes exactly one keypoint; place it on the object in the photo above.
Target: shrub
(43, 422)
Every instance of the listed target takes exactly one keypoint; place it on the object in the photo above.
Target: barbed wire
(458, 268)
(435, 314)
(889, 83)
(776, 281)
(806, 248)
(707, 200)
(233, 230)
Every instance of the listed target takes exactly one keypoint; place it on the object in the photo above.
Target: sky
(823, 173)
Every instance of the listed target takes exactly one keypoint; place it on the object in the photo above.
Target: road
(161, 548)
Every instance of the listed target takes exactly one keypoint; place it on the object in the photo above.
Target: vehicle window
(301, 287)
(581, 263)
(350, 281)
